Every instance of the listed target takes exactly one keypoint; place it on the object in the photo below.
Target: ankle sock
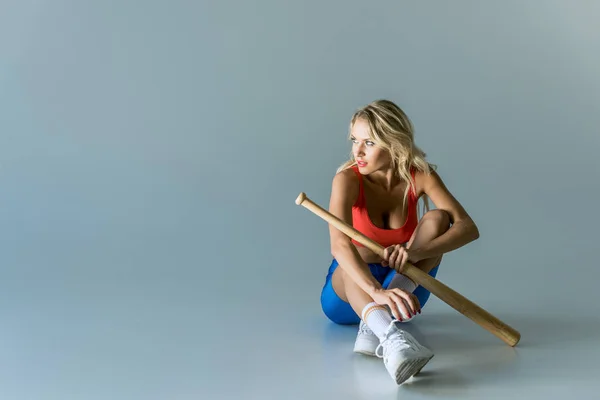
(402, 282)
(378, 318)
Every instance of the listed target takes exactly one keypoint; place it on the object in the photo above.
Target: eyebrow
(367, 139)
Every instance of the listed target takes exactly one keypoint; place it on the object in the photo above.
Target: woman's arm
(463, 229)
(344, 192)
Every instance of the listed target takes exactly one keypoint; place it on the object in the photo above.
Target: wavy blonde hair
(391, 129)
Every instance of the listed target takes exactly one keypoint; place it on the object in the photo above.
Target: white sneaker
(366, 341)
(402, 355)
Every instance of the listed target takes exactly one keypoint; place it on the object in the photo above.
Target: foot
(402, 355)
(366, 341)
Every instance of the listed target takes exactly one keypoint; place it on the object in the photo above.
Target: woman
(377, 191)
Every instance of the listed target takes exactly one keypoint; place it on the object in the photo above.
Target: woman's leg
(401, 353)
(344, 305)
(433, 224)
(377, 316)
(395, 280)
(349, 291)
(336, 308)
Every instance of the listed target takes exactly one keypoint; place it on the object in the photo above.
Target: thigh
(336, 308)
(378, 271)
(336, 281)
(334, 302)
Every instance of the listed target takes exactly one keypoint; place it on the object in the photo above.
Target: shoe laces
(394, 341)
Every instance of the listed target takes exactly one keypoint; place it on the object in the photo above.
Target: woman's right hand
(399, 301)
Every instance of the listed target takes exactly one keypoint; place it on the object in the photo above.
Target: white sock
(378, 318)
(400, 281)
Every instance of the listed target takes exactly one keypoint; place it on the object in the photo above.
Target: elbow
(335, 250)
(469, 229)
(474, 232)
(339, 246)
(332, 251)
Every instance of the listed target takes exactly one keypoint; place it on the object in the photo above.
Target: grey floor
(151, 153)
(154, 327)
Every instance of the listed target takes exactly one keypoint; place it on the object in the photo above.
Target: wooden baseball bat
(461, 304)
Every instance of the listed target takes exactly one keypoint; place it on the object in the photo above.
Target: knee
(440, 220)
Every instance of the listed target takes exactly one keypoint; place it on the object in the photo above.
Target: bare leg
(347, 290)
(433, 224)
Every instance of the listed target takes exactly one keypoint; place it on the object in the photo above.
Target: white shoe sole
(410, 367)
(364, 347)
(365, 352)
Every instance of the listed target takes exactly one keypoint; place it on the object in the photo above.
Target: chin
(365, 170)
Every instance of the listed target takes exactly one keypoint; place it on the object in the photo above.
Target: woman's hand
(399, 301)
(397, 255)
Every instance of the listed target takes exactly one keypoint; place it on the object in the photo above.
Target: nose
(359, 150)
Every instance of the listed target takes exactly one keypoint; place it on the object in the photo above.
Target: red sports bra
(385, 237)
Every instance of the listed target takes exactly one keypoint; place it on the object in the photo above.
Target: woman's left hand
(396, 257)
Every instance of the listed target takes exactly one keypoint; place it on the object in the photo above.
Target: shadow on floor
(466, 355)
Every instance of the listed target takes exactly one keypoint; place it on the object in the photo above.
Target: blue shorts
(341, 312)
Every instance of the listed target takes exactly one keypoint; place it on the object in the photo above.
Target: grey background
(151, 153)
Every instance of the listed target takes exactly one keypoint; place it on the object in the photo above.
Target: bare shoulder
(424, 181)
(432, 185)
(344, 192)
(345, 186)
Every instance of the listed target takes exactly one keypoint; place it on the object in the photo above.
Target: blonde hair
(393, 131)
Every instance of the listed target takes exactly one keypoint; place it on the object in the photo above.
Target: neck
(387, 179)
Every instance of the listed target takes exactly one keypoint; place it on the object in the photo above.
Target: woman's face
(368, 155)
